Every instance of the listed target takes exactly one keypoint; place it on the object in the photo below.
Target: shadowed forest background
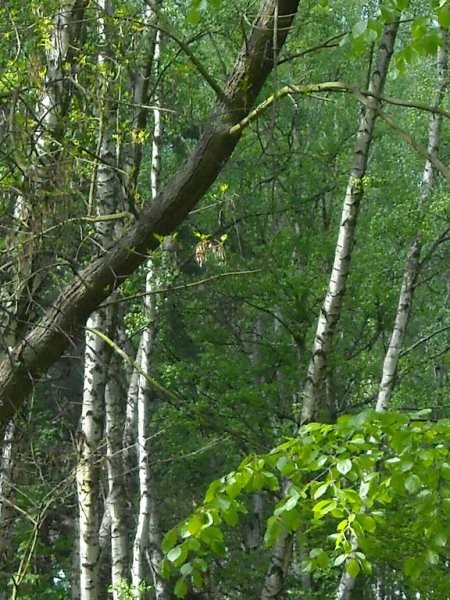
(224, 300)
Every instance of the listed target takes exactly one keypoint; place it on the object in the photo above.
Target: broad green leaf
(413, 483)
(344, 466)
(324, 507)
(273, 531)
(170, 539)
(431, 557)
(174, 554)
(359, 27)
(367, 522)
(181, 588)
(444, 17)
(320, 491)
(186, 569)
(352, 567)
(195, 524)
(440, 539)
(340, 559)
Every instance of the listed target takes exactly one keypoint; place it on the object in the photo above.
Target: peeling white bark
(115, 474)
(143, 418)
(411, 273)
(281, 556)
(97, 358)
(332, 306)
(89, 455)
(147, 542)
(413, 261)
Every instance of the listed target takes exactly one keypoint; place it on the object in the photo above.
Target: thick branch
(31, 358)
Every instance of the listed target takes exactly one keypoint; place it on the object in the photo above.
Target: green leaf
(174, 554)
(413, 567)
(286, 505)
(367, 522)
(413, 483)
(444, 17)
(360, 27)
(273, 531)
(181, 588)
(440, 539)
(186, 569)
(320, 491)
(340, 559)
(324, 507)
(431, 557)
(170, 539)
(344, 466)
(194, 525)
(352, 567)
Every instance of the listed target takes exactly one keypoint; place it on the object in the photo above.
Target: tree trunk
(89, 455)
(281, 556)
(411, 273)
(332, 306)
(97, 358)
(413, 262)
(115, 473)
(146, 548)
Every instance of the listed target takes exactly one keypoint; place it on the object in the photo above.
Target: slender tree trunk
(281, 556)
(6, 470)
(143, 422)
(97, 358)
(115, 472)
(146, 548)
(411, 273)
(332, 306)
(413, 262)
(89, 455)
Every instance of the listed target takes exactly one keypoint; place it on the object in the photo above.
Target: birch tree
(402, 316)
(413, 264)
(332, 306)
(97, 356)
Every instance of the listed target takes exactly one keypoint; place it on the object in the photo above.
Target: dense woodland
(224, 299)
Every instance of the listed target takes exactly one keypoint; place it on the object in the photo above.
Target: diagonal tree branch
(45, 343)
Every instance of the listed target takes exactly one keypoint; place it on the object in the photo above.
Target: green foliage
(345, 480)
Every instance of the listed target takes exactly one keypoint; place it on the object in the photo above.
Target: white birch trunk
(115, 472)
(280, 559)
(413, 262)
(147, 540)
(97, 359)
(332, 306)
(143, 418)
(6, 468)
(88, 467)
(411, 273)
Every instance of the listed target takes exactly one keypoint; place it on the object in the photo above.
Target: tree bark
(97, 359)
(31, 358)
(146, 547)
(413, 262)
(347, 582)
(332, 306)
